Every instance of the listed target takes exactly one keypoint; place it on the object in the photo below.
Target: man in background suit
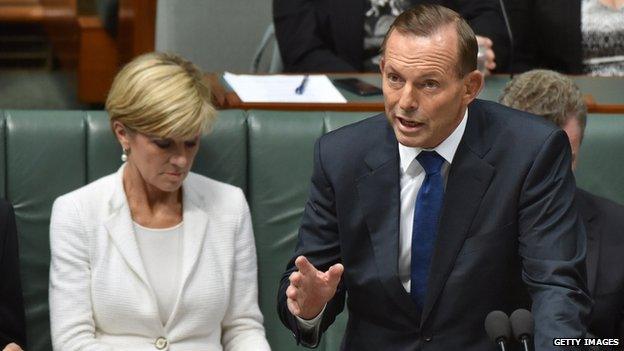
(555, 97)
(12, 325)
(345, 35)
(438, 212)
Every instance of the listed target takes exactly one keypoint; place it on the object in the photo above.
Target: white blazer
(101, 299)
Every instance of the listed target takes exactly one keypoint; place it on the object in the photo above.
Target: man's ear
(382, 64)
(473, 83)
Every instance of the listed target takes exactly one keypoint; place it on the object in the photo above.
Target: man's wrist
(313, 322)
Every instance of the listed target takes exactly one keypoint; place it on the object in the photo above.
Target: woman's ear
(122, 134)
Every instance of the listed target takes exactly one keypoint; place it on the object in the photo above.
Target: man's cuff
(310, 328)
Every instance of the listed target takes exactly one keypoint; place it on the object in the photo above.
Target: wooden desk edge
(224, 99)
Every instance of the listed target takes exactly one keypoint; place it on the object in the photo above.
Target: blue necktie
(425, 227)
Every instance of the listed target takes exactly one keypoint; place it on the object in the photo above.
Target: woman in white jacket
(154, 257)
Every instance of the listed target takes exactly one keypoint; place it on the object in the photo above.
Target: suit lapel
(379, 196)
(194, 231)
(592, 228)
(469, 177)
(120, 228)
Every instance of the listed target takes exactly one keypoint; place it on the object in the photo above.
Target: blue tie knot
(431, 161)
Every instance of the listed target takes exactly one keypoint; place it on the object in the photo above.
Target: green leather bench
(268, 154)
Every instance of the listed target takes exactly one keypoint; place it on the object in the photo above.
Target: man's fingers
(293, 307)
(291, 292)
(484, 41)
(334, 273)
(295, 278)
(304, 266)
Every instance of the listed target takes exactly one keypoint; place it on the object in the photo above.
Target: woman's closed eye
(190, 143)
(163, 143)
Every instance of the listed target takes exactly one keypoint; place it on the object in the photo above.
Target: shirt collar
(446, 149)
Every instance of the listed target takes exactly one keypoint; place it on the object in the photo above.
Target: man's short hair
(425, 20)
(548, 94)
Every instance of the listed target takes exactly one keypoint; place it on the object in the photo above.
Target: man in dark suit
(443, 209)
(555, 97)
(12, 327)
(345, 35)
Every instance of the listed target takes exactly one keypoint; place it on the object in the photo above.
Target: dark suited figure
(556, 97)
(429, 216)
(12, 325)
(345, 35)
(568, 36)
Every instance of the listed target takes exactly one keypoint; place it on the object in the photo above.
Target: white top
(161, 251)
(412, 177)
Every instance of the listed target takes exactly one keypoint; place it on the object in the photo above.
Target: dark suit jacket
(508, 223)
(547, 34)
(12, 326)
(604, 221)
(328, 35)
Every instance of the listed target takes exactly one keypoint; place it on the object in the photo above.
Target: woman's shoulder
(214, 193)
(97, 189)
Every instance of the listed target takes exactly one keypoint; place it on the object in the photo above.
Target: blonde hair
(548, 94)
(162, 95)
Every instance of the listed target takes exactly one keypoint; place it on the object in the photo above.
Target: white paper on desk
(281, 88)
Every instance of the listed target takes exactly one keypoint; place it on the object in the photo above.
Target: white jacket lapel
(120, 228)
(194, 231)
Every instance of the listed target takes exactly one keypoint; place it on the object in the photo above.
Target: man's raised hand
(310, 289)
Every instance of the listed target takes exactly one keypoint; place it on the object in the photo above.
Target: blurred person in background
(12, 325)
(555, 97)
(155, 255)
(346, 35)
(568, 36)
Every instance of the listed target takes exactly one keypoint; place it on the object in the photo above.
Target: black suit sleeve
(12, 325)
(318, 242)
(303, 41)
(552, 245)
(486, 19)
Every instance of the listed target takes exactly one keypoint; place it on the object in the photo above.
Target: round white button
(161, 343)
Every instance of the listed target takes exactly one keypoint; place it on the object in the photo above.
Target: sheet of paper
(281, 88)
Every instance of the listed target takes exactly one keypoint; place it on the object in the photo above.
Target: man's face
(424, 98)
(575, 134)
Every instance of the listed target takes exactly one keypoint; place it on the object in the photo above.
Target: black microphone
(510, 34)
(498, 328)
(522, 326)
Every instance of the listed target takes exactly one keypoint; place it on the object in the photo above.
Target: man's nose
(408, 100)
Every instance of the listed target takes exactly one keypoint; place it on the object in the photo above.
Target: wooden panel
(60, 21)
(21, 12)
(137, 28)
(97, 62)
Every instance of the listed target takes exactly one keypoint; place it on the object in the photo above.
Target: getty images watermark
(586, 342)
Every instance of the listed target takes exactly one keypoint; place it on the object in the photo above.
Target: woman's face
(162, 163)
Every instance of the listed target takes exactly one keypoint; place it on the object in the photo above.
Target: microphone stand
(501, 344)
(525, 343)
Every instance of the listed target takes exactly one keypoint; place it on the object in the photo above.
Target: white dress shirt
(412, 177)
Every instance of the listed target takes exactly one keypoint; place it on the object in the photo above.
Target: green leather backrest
(268, 154)
(601, 159)
(280, 164)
